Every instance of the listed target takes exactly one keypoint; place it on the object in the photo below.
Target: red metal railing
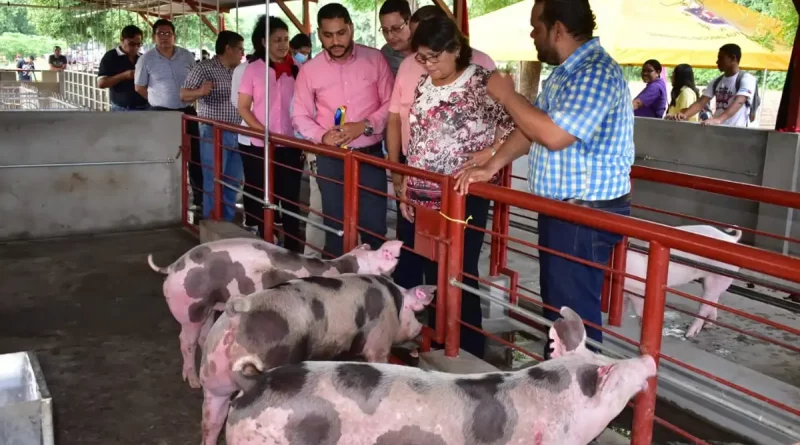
(440, 237)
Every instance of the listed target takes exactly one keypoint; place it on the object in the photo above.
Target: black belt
(616, 202)
(369, 149)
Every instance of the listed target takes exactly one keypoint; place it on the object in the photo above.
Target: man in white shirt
(733, 103)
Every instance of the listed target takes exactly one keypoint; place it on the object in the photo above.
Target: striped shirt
(163, 77)
(216, 105)
(588, 97)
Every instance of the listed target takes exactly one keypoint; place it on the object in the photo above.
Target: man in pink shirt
(409, 74)
(359, 78)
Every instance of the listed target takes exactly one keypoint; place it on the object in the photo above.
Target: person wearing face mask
(272, 62)
(652, 101)
(359, 78)
(300, 46)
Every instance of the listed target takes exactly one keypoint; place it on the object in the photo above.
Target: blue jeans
(564, 282)
(231, 169)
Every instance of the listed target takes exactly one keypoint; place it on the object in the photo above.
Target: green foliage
(704, 76)
(15, 20)
(12, 43)
(782, 10)
(478, 8)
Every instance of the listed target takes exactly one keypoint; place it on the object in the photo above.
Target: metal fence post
(455, 259)
(185, 142)
(217, 174)
(619, 263)
(350, 214)
(269, 213)
(652, 322)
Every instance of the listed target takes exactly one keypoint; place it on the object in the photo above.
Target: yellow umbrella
(633, 31)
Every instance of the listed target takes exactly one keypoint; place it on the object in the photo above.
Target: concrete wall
(50, 201)
(750, 156)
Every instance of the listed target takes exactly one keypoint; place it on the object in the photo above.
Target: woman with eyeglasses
(454, 124)
(652, 101)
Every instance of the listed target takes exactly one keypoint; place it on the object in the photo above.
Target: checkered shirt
(216, 105)
(588, 97)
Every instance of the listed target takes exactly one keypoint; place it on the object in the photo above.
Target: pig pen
(95, 315)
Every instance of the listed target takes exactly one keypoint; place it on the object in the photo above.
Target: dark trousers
(195, 169)
(411, 268)
(371, 207)
(285, 186)
(564, 282)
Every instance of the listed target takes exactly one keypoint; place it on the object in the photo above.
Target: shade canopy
(673, 32)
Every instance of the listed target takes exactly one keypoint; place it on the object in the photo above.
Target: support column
(529, 74)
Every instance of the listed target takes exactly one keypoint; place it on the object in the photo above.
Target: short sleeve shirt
(725, 95)
(163, 77)
(57, 61)
(123, 93)
(588, 97)
(216, 105)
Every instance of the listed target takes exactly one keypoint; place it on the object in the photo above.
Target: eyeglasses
(394, 29)
(423, 59)
(165, 34)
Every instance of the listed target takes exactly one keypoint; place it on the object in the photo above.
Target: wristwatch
(368, 128)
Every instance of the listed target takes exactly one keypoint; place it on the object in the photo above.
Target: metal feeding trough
(26, 415)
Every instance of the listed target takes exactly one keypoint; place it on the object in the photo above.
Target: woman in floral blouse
(453, 123)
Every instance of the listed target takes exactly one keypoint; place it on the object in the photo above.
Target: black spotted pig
(308, 318)
(205, 277)
(567, 400)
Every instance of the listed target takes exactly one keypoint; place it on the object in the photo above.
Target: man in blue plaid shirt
(579, 140)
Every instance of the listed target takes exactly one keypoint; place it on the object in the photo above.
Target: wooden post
(306, 19)
(529, 74)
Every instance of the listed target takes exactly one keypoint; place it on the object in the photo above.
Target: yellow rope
(457, 220)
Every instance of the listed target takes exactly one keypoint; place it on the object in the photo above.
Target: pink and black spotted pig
(205, 277)
(567, 400)
(314, 318)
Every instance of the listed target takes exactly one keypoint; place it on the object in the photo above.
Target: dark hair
(732, 50)
(442, 34)
(399, 6)
(162, 22)
(684, 77)
(226, 39)
(333, 11)
(575, 15)
(130, 32)
(257, 38)
(427, 12)
(655, 64)
(275, 23)
(299, 41)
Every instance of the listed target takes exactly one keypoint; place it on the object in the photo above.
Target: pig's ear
(418, 297)
(392, 248)
(568, 333)
(364, 246)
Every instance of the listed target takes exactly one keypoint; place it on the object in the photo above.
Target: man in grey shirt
(161, 72)
(394, 16)
(158, 77)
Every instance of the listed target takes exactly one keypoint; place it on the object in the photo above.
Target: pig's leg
(713, 287)
(215, 410)
(189, 334)
(378, 355)
(201, 342)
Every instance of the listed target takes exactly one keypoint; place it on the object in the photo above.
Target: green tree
(12, 43)
(15, 19)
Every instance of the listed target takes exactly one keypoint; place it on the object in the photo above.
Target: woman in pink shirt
(281, 74)
(452, 120)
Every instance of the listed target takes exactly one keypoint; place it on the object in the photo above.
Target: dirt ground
(95, 315)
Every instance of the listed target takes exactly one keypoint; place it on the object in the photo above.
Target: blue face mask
(300, 58)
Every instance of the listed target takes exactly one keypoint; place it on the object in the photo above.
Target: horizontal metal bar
(284, 211)
(86, 164)
(672, 380)
(704, 167)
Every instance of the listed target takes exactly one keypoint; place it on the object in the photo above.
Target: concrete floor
(94, 313)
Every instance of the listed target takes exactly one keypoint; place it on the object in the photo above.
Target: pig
(309, 318)
(203, 279)
(568, 400)
(713, 284)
